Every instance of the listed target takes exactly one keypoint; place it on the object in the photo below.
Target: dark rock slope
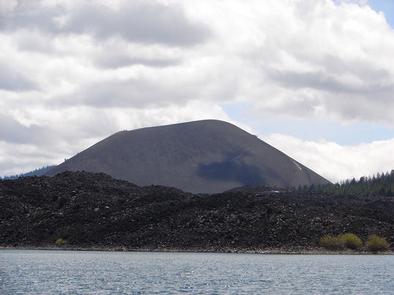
(95, 210)
(207, 156)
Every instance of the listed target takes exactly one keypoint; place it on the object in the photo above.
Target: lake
(80, 272)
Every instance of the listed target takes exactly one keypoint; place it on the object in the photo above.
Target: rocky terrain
(94, 210)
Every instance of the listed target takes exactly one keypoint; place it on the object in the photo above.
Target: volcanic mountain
(208, 156)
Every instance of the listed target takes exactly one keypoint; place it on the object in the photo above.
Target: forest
(381, 184)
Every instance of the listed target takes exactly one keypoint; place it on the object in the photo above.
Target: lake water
(68, 272)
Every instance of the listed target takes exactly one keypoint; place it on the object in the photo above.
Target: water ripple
(67, 272)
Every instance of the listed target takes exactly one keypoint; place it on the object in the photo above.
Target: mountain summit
(208, 156)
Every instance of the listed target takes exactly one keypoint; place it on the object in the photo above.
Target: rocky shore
(77, 210)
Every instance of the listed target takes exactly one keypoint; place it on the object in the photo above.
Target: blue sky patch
(311, 128)
(386, 6)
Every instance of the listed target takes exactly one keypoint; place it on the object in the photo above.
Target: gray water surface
(73, 272)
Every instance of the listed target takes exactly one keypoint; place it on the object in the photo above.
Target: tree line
(36, 172)
(381, 184)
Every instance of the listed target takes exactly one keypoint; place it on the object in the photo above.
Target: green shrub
(376, 243)
(351, 241)
(331, 242)
(60, 242)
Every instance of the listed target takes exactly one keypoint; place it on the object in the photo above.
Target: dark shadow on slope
(231, 169)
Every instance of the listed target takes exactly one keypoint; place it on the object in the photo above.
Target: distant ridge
(208, 156)
(36, 172)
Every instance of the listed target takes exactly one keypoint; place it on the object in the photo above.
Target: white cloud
(137, 21)
(73, 72)
(11, 80)
(338, 162)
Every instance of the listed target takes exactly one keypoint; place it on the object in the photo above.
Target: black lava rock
(94, 210)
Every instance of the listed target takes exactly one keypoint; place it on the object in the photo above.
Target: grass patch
(341, 242)
(376, 243)
(330, 242)
(60, 242)
(351, 241)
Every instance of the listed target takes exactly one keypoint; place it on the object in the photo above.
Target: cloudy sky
(314, 78)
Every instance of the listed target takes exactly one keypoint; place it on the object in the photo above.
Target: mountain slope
(207, 156)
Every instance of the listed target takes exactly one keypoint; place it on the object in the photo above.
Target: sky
(314, 78)
(384, 6)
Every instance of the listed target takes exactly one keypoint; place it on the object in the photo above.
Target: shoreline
(316, 251)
